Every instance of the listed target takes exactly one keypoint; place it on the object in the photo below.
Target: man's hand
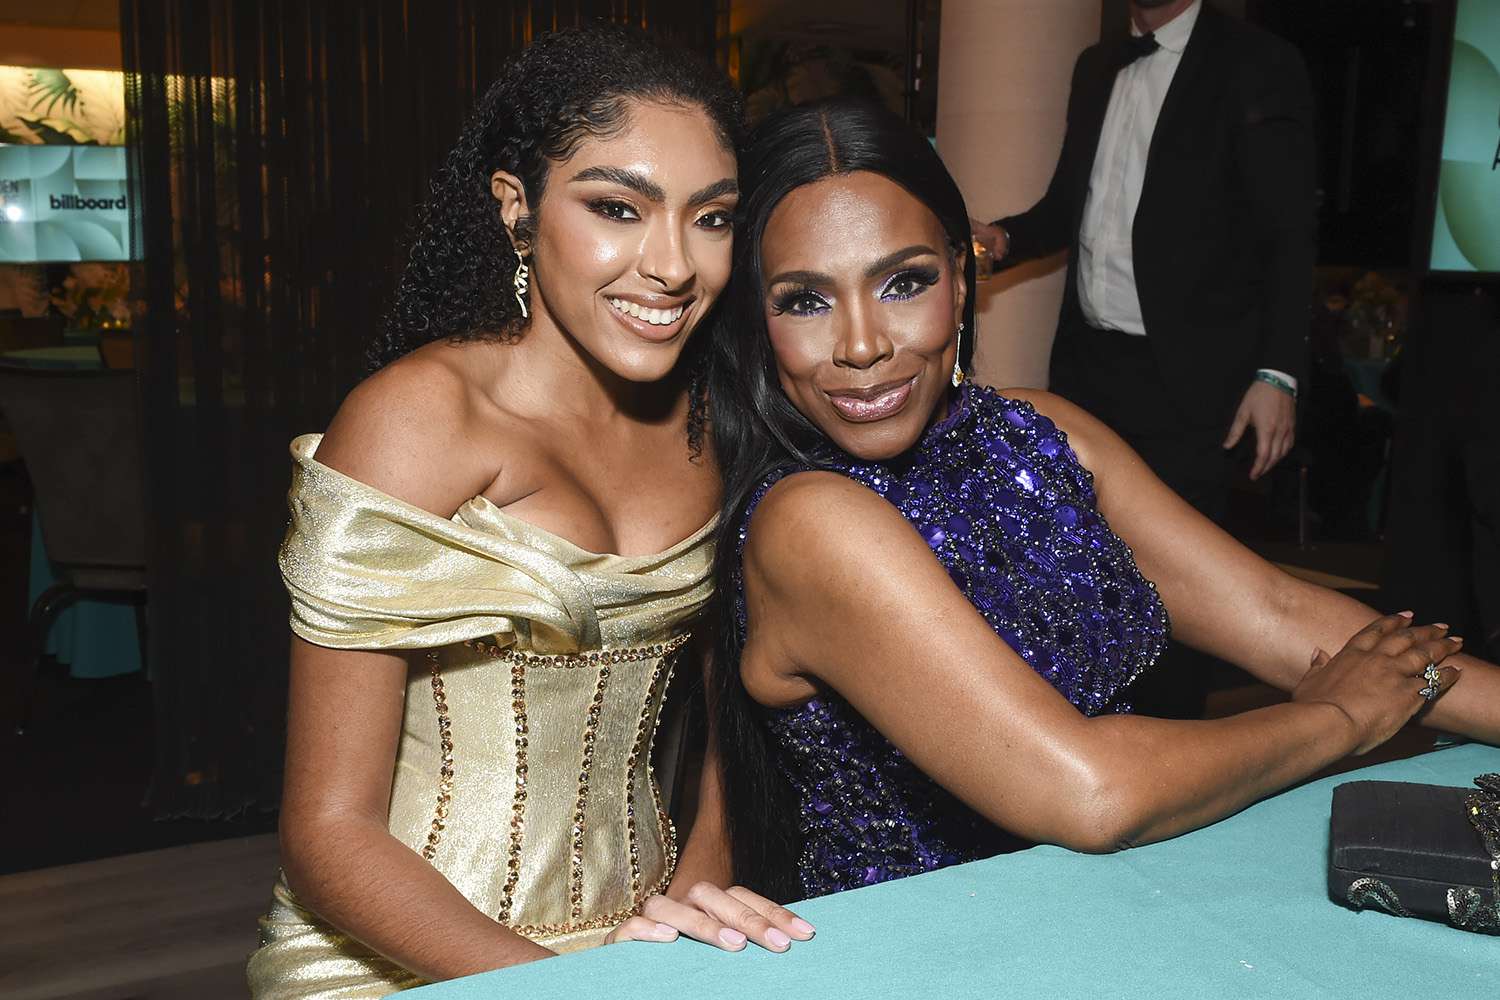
(993, 238)
(1273, 414)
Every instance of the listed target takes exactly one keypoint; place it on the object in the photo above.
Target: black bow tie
(1133, 47)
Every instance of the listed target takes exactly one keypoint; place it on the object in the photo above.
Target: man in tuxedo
(1185, 193)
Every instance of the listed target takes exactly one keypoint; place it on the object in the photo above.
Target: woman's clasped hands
(1379, 680)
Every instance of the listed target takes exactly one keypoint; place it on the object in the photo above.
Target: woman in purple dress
(936, 596)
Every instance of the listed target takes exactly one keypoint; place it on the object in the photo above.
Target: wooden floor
(161, 925)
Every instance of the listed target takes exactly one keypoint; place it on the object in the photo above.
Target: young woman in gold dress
(500, 545)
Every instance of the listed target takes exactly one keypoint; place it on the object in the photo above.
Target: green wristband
(1276, 382)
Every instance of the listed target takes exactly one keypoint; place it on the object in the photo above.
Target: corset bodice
(538, 669)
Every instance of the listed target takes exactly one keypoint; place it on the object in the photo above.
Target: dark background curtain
(279, 148)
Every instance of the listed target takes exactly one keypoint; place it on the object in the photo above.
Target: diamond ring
(1434, 682)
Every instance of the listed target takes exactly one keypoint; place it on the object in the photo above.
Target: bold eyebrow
(718, 189)
(890, 260)
(801, 278)
(635, 181)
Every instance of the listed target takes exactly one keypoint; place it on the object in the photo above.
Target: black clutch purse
(1419, 850)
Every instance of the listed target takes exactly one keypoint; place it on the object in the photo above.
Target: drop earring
(522, 282)
(958, 366)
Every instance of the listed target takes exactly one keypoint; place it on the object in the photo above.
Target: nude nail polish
(731, 937)
(777, 938)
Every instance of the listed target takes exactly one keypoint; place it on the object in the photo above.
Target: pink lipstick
(862, 406)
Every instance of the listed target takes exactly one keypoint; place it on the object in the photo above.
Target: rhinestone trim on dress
(602, 660)
(445, 770)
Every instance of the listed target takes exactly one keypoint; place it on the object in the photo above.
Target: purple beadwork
(1003, 502)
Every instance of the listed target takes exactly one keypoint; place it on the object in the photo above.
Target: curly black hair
(564, 87)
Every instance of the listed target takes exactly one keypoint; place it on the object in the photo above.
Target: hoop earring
(522, 282)
(958, 368)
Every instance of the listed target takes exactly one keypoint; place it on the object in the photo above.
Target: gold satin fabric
(366, 571)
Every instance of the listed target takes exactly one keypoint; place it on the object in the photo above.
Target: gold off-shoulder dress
(524, 773)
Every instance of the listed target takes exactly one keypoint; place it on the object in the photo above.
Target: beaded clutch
(1424, 851)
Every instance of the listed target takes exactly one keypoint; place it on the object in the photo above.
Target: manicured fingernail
(802, 926)
(1406, 614)
(732, 937)
(666, 931)
(1440, 624)
(1456, 638)
(777, 939)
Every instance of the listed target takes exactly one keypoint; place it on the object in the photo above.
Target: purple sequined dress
(1010, 513)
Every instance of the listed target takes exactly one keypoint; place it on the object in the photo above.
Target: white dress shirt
(1106, 257)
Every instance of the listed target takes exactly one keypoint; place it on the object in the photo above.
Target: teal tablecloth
(1239, 909)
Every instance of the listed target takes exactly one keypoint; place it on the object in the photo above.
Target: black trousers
(1115, 377)
(1443, 535)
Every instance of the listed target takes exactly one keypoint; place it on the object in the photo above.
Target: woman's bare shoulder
(814, 528)
(409, 430)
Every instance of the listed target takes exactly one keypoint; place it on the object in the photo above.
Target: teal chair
(78, 432)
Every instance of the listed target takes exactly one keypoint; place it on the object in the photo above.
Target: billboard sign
(63, 203)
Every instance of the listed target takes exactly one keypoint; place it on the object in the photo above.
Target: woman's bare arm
(843, 593)
(1226, 600)
(401, 433)
(704, 868)
(705, 856)
(343, 727)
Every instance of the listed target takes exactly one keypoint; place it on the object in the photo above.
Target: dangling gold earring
(522, 281)
(958, 366)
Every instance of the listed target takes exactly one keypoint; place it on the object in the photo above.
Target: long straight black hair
(757, 430)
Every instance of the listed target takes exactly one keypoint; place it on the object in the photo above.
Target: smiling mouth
(878, 402)
(653, 317)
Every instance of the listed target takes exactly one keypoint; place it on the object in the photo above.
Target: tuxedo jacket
(1225, 235)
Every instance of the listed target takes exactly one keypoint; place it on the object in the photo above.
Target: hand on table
(1273, 415)
(1376, 679)
(724, 918)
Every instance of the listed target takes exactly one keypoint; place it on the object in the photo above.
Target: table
(1238, 909)
(94, 638)
(67, 356)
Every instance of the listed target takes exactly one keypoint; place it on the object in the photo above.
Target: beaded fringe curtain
(278, 149)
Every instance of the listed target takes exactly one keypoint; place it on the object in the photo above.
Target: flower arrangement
(1376, 313)
(95, 297)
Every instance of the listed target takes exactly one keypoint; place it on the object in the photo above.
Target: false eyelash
(598, 206)
(783, 303)
(924, 276)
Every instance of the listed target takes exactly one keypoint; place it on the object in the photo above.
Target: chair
(20, 332)
(79, 435)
